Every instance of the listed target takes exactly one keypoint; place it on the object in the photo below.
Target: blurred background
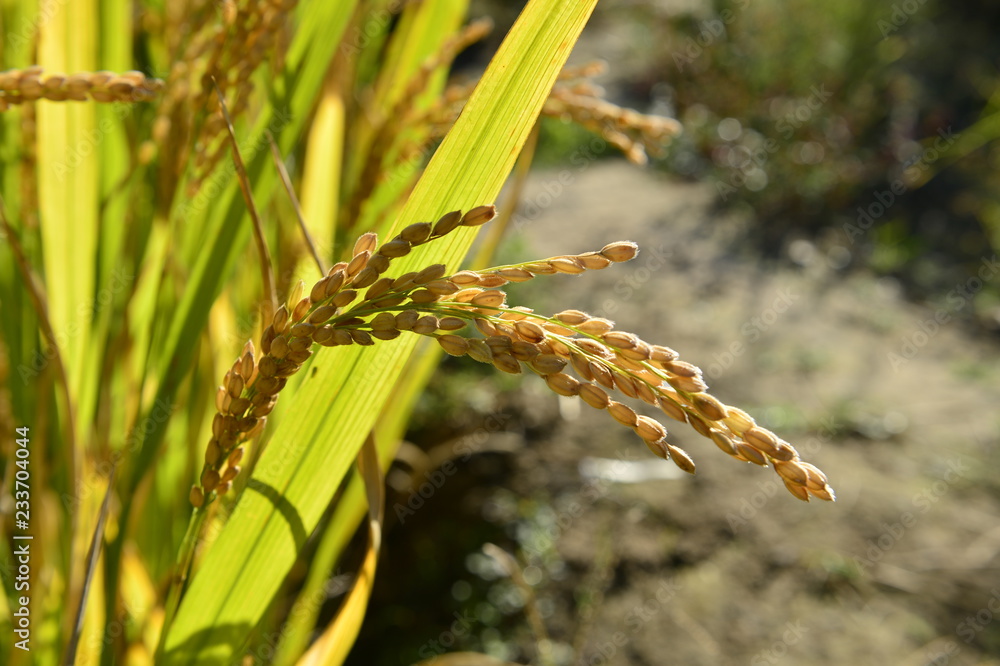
(821, 241)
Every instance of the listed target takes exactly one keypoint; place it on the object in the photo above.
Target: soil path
(724, 567)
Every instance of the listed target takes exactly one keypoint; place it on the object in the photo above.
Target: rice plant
(185, 184)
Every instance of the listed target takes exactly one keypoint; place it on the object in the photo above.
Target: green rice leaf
(339, 401)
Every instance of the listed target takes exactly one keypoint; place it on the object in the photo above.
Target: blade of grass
(270, 302)
(36, 294)
(296, 86)
(68, 188)
(117, 174)
(295, 635)
(350, 506)
(323, 167)
(97, 541)
(335, 642)
(420, 34)
(339, 401)
(279, 164)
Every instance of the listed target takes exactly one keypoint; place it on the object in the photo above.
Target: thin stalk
(286, 181)
(267, 273)
(96, 542)
(185, 556)
(36, 293)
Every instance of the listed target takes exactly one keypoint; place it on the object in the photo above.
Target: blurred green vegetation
(865, 125)
(866, 128)
(798, 113)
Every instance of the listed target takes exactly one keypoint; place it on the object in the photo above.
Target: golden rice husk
(465, 278)
(426, 325)
(322, 314)
(429, 274)
(751, 454)
(680, 458)
(593, 261)
(709, 406)
(602, 374)
(650, 430)
(625, 384)
(594, 396)
(506, 362)
(454, 345)
(416, 233)
(792, 472)
(562, 384)
(523, 351)
(406, 319)
(451, 324)
(623, 414)
(363, 338)
(572, 317)
(796, 490)
(529, 331)
(620, 251)
(480, 351)
(566, 264)
(448, 223)
(548, 364)
(596, 326)
(395, 248)
(479, 215)
(723, 441)
(365, 243)
(762, 440)
(581, 365)
(672, 409)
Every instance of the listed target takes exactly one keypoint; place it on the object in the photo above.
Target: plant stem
(185, 555)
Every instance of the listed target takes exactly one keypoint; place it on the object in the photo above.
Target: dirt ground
(630, 562)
